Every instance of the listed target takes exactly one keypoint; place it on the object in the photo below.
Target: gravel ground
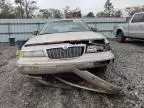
(16, 91)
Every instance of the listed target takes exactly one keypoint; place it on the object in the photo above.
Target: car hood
(61, 37)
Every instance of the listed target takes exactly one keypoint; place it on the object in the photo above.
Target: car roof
(139, 12)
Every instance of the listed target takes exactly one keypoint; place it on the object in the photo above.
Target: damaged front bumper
(43, 65)
(90, 82)
(32, 66)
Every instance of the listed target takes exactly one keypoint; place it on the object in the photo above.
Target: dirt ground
(17, 91)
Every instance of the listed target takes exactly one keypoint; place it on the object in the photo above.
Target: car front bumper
(43, 65)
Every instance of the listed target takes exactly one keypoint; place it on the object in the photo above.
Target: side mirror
(94, 29)
(35, 32)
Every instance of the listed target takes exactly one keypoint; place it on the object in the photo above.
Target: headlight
(91, 49)
(107, 47)
(97, 48)
(32, 53)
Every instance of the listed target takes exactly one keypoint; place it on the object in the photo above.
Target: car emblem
(65, 47)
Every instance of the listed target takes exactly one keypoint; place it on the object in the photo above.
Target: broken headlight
(94, 48)
(32, 53)
(107, 47)
(97, 48)
(91, 49)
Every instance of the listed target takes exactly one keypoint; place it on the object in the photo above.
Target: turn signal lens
(32, 53)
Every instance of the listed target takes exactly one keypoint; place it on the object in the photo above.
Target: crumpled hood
(60, 37)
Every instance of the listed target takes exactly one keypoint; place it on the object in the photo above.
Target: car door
(136, 26)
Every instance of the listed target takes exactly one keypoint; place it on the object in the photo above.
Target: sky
(88, 5)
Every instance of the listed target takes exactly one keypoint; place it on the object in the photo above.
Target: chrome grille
(58, 53)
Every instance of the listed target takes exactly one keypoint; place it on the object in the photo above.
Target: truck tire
(120, 36)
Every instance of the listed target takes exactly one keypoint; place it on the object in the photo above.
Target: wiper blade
(45, 33)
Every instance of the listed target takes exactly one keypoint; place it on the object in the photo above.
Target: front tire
(120, 37)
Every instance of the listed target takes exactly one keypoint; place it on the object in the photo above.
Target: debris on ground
(17, 91)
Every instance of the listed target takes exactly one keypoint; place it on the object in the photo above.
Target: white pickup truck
(133, 29)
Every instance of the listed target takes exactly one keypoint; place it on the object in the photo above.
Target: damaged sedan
(64, 46)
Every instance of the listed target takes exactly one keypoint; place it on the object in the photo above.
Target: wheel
(120, 36)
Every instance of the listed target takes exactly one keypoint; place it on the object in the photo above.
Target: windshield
(64, 26)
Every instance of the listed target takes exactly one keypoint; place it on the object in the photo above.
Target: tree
(109, 11)
(26, 7)
(19, 10)
(45, 13)
(55, 13)
(132, 10)
(102, 14)
(30, 7)
(108, 8)
(117, 13)
(67, 12)
(6, 9)
(90, 15)
(23, 9)
(75, 13)
(50, 13)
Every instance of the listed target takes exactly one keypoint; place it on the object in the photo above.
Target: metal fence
(22, 29)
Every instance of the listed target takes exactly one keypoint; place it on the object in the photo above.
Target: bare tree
(45, 13)
(102, 14)
(27, 7)
(30, 7)
(50, 13)
(117, 13)
(90, 15)
(109, 11)
(19, 10)
(55, 13)
(132, 10)
(67, 12)
(6, 9)
(75, 13)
